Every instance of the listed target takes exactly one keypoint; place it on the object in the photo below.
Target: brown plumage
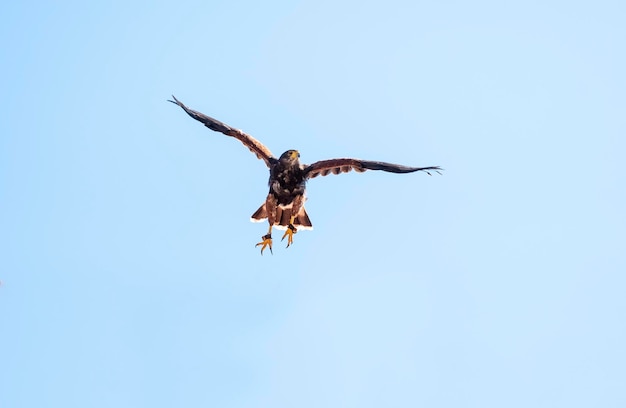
(284, 204)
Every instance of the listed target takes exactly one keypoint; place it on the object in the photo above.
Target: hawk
(284, 205)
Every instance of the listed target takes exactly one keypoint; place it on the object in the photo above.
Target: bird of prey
(284, 205)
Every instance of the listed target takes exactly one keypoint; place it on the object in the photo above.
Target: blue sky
(127, 259)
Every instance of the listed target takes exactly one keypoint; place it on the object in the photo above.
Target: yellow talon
(267, 241)
(289, 234)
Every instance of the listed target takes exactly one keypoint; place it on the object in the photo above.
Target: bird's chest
(286, 181)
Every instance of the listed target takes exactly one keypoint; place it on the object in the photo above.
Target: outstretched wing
(337, 166)
(251, 143)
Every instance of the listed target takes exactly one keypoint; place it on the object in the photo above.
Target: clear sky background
(127, 259)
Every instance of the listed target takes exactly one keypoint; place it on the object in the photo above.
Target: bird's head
(290, 156)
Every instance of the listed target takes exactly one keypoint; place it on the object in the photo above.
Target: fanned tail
(283, 215)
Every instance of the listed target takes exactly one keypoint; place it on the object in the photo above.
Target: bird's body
(287, 179)
(284, 204)
(285, 198)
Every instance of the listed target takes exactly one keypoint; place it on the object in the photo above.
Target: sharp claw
(267, 241)
(289, 234)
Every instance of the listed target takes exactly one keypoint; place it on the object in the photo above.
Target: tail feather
(302, 220)
(260, 214)
(283, 216)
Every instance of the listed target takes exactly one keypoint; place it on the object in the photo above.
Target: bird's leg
(290, 231)
(267, 241)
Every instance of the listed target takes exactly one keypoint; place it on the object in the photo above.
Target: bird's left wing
(251, 143)
(337, 166)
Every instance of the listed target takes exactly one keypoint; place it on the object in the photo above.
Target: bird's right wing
(338, 166)
(251, 143)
